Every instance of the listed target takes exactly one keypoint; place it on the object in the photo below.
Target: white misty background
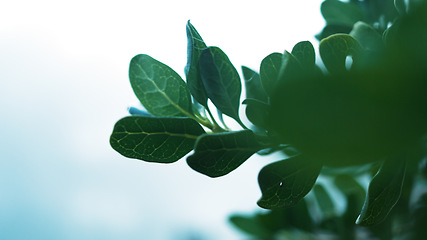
(64, 83)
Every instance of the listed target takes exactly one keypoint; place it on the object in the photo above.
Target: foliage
(339, 123)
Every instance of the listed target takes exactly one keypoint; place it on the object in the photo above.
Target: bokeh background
(64, 83)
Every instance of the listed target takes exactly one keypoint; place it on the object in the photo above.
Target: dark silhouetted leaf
(192, 70)
(304, 52)
(367, 36)
(257, 112)
(286, 182)
(159, 88)
(268, 224)
(344, 13)
(383, 192)
(334, 50)
(253, 85)
(269, 72)
(221, 81)
(218, 154)
(155, 139)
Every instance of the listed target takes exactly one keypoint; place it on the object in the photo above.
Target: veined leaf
(269, 72)
(290, 71)
(334, 50)
(221, 81)
(286, 182)
(304, 52)
(253, 85)
(192, 70)
(155, 139)
(383, 192)
(159, 88)
(218, 154)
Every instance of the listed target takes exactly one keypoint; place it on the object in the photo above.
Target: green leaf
(221, 81)
(285, 183)
(331, 29)
(290, 71)
(159, 88)
(383, 192)
(269, 72)
(218, 154)
(252, 225)
(155, 139)
(324, 201)
(304, 52)
(253, 85)
(342, 13)
(192, 70)
(257, 112)
(367, 36)
(269, 224)
(400, 6)
(334, 50)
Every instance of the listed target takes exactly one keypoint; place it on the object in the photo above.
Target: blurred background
(64, 84)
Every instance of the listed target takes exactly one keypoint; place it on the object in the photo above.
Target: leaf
(342, 13)
(334, 50)
(253, 85)
(285, 183)
(267, 224)
(383, 192)
(269, 72)
(324, 201)
(257, 112)
(290, 71)
(331, 29)
(252, 225)
(304, 52)
(192, 70)
(400, 6)
(155, 139)
(218, 154)
(221, 81)
(159, 88)
(367, 36)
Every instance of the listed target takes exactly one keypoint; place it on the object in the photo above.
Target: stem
(241, 124)
(216, 127)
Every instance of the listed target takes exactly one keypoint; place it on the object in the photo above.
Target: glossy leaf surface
(383, 192)
(218, 154)
(155, 139)
(253, 85)
(334, 50)
(221, 81)
(192, 70)
(269, 72)
(159, 88)
(286, 182)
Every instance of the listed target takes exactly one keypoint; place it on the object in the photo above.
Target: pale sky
(64, 74)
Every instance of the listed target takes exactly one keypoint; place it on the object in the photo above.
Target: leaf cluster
(367, 117)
